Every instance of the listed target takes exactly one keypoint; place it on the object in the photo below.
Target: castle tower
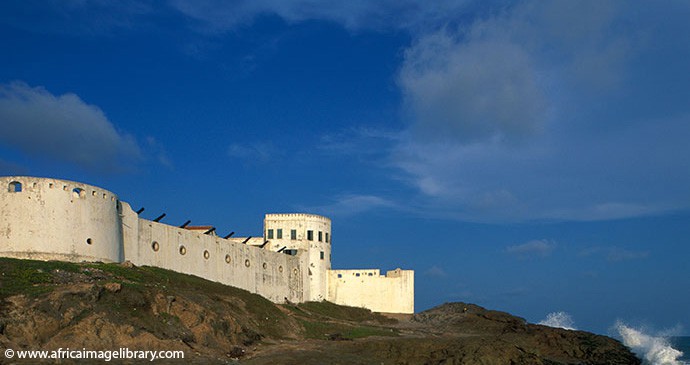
(300, 234)
(50, 219)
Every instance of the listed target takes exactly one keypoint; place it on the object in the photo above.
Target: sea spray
(559, 320)
(654, 350)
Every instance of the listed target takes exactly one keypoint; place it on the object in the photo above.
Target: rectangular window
(270, 234)
(279, 233)
(293, 234)
(320, 236)
(327, 237)
(321, 255)
(310, 235)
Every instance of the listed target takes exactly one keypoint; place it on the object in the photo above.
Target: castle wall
(275, 276)
(392, 293)
(50, 219)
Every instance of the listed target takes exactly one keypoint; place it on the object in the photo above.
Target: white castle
(51, 219)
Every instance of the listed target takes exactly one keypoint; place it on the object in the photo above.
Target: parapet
(51, 219)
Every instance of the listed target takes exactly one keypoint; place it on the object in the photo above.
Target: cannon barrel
(159, 217)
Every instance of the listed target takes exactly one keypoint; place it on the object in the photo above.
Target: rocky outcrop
(51, 305)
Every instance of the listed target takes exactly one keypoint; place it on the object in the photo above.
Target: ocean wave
(654, 350)
(559, 320)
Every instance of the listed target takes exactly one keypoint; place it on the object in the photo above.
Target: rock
(113, 287)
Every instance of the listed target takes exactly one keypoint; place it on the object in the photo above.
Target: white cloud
(614, 254)
(468, 91)
(549, 111)
(253, 153)
(347, 205)
(534, 248)
(435, 272)
(219, 15)
(62, 127)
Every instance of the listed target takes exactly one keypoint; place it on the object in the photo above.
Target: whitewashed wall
(50, 219)
(392, 293)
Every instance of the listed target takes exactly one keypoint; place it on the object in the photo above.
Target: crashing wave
(559, 320)
(654, 350)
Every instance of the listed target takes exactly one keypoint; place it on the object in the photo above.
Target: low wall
(392, 293)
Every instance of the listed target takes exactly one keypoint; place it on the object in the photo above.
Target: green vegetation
(330, 310)
(29, 277)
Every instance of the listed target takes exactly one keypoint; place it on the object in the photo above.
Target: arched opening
(15, 187)
(78, 193)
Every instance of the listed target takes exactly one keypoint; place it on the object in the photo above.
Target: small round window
(183, 250)
(155, 246)
(247, 263)
(280, 268)
(265, 266)
(228, 259)
(206, 254)
(89, 241)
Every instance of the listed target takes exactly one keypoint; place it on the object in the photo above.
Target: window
(15, 187)
(270, 234)
(206, 254)
(310, 235)
(89, 241)
(320, 236)
(293, 234)
(340, 276)
(183, 250)
(326, 237)
(321, 255)
(279, 233)
(228, 259)
(155, 246)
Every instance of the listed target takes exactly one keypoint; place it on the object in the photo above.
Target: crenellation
(52, 219)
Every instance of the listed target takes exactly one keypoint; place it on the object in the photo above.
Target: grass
(330, 310)
(29, 277)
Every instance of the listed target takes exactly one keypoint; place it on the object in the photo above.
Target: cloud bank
(62, 128)
(555, 111)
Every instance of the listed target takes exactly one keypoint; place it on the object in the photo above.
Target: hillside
(52, 305)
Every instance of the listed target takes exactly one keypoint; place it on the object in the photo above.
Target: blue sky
(526, 156)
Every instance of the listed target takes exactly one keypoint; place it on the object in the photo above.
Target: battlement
(291, 216)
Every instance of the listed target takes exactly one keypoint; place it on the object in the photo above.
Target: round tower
(309, 234)
(50, 219)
